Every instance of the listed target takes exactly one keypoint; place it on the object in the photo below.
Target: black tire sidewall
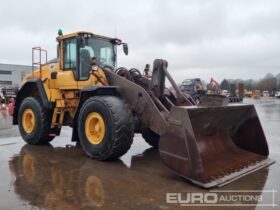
(33, 137)
(106, 145)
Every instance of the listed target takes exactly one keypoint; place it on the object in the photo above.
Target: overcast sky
(219, 39)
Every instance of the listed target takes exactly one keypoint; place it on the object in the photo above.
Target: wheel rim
(94, 191)
(28, 167)
(28, 120)
(95, 128)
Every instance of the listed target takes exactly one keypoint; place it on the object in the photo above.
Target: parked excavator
(209, 144)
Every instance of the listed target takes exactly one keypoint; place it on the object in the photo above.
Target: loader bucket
(212, 146)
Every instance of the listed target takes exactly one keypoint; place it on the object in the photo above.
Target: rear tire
(110, 133)
(151, 137)
(37, 125)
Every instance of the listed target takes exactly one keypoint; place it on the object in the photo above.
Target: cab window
(70, 54)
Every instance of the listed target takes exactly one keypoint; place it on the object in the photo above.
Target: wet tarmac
(60, 176)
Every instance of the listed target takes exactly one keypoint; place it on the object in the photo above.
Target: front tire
(34, 122)
(105, 127)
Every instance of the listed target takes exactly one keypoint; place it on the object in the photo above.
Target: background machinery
(207, 144)
(7, 95)
(194, 88)
(234, 95)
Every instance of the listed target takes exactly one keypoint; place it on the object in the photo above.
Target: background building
(11, 75)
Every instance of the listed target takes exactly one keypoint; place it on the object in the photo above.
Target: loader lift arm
(152, 105)
(208, 145)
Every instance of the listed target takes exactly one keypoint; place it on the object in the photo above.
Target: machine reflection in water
(56, 178)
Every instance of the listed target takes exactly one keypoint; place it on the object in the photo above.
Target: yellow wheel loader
(210, 144)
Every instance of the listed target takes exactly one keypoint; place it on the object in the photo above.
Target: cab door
(68, 77)
(85, 54)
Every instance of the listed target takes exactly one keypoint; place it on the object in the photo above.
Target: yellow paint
(58, 116)
(28, 120)
(101, 75)
(95, 128)
(94, 191)
(55, 94)
(66, 80)
(54, 69)
(82, 32)
(63, 90)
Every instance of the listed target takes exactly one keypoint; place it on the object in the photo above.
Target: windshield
(187, 88)
(102, 50)
(187, 82)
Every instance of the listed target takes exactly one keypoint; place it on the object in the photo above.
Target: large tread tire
(151, 137)
(42, 129)
(119, 127)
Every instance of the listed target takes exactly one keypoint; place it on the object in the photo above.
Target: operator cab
(78, 50)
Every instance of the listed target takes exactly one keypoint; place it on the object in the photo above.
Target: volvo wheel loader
(210, 144)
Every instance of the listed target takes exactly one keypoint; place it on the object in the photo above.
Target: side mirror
(125, 48)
